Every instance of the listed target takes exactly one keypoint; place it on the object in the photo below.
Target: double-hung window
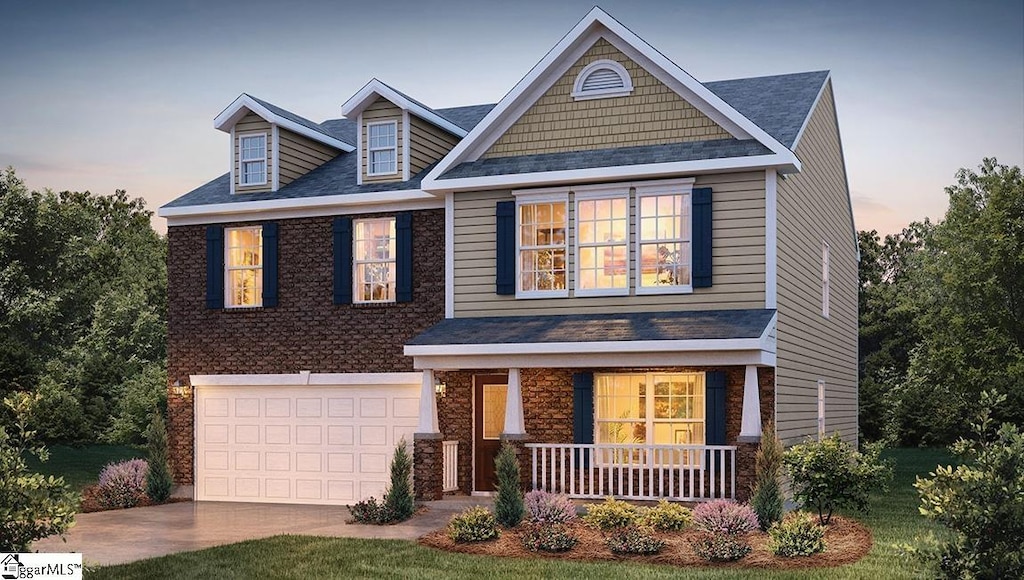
(602, 242)
(542, 237)
(243, 262)
(382, 148)
(252, 155)
(663, 241)
(374, 260)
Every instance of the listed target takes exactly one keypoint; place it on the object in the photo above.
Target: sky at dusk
(106, 95)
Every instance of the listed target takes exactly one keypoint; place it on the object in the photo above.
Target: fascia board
(235, 111)
(727, 344)
(293, 203)
(376, 88)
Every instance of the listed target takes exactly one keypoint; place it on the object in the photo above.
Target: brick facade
(305, 332)
(548, 413)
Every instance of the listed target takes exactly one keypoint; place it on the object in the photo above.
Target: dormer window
(602, 79)
(252, 159)
(382, 154)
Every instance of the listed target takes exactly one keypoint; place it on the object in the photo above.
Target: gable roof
(598, 24)
(278, 116)
(375, 89)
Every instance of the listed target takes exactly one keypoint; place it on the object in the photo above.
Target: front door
(489, 394)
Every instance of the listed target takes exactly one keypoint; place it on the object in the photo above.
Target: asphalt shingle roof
(685, 325)
(298, 119)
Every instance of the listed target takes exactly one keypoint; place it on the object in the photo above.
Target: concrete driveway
(120, 536)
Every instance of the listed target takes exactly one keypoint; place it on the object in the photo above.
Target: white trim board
(375, 88)
(609, 347)
(596, 360)
(771, 239)
(305, 212)
(376, 198)
(237, 109)
(306, 378)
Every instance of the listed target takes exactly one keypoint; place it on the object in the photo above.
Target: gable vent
(602, 79)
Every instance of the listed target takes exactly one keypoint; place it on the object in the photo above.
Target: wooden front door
(489, 394)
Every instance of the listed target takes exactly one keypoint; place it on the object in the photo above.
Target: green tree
(766, 497)
(158, 478)
(508, 505)
(398, 500)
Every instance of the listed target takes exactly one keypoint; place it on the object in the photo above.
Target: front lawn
(80, 466)
(893, 519)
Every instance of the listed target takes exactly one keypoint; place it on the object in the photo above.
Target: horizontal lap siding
(652, 114)
(299, 155)
(814, 206)
(252, 123)
(381, 110)
(738, 257)
(428, 143)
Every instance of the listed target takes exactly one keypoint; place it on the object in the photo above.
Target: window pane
(494, 410)
(542, 264)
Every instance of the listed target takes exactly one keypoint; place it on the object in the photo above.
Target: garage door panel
(311, 444)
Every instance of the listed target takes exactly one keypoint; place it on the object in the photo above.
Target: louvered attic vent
(602, 79)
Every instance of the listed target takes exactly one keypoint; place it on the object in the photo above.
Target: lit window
(826, 289)
(542, 248)
(383, 148)
(602, 256)
(663, 242)
(602, 79)
(244, 267)
(253, 159)
(374, 260)
(652, 408)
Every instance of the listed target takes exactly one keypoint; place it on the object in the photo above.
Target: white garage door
(305, 443)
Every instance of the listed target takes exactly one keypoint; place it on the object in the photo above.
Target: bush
(549, 508)
(508, 505)
(668, 517)
(475, 524)
(57, 414)
(610, 514)
(634, 540)
(981, 501)
(135, 400)
(398, 499)
(766, 496)
(31, 506)
(796, 535)
(122, 484)
(370, 511)
(831, 474)
(724, 516)
(715, 547)
(158, 479)
(548, 537)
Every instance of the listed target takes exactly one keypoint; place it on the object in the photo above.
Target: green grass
(80, 466)
(893, 518)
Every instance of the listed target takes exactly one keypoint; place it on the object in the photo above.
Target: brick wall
(306, 331)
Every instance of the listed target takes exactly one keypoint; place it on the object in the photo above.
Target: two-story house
(626, 272)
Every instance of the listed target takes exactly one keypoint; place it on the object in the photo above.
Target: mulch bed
(846, 541)
(91, 504)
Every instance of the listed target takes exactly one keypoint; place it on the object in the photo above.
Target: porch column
(514, 425)
(750, 426)
(428, 406)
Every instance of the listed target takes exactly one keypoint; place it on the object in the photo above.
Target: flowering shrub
(122, 485)
(719, 547)
(474, 524)
(724, 516)
(668, 517)
(610, 514)
(548, 538)
(797, 535)
(370, 511)
(545, 507)
(634, 540)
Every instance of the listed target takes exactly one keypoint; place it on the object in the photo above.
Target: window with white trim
(373, 257)
(663, 242)
(602, 79)
(602, 244)
(382, 148)
(826, 286)
(252, 155)
(542, 241)
(243, 267)
(821, 409)
(651, 408)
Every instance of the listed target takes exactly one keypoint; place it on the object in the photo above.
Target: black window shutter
(583, 408)
(343, 260)
(403, 261)
(505, 265)
(270, 264)
(701, 237)
(714, 413)
(215, 266)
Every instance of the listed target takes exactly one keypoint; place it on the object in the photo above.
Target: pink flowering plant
(123, 484)
(724, 516)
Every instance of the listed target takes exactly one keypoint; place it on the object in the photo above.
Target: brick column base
(745, 469)
(518, 443)
(428, 466)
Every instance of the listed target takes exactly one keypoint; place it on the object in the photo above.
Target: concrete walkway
(120, 536)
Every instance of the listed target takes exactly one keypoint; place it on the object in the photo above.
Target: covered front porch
(595, 418)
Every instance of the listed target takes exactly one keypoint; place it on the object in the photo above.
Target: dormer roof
(246, 103)
(376, 89)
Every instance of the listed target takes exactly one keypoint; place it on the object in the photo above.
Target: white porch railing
(450, 462)
(641, 472)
